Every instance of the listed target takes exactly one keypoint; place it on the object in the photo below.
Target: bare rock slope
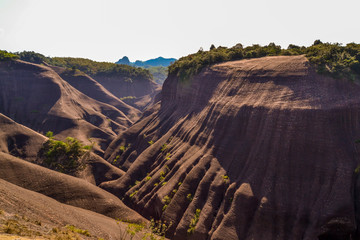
(139, 94)
(65, 189)
(90, 87)
(37, 215)
(37, 97)
(22, 142)
(252, 149)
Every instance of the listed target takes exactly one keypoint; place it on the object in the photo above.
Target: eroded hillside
(252, 149)
(37, 97)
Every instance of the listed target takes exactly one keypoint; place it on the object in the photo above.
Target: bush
(63, 156)
(194, 221)
(5, 56)
(32, 57)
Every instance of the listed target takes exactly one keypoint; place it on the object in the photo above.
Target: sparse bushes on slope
(333, 59)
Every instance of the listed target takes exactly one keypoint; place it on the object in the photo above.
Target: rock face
(64, 188)
(90, 87)
(37, 97)
(139, 94)
(50, 213)
(22, 142)
(264, 148)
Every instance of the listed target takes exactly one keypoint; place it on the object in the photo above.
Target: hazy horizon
(141, 30)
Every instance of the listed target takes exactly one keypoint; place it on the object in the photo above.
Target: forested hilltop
(158, 67)
(329, 58)
(85, 65)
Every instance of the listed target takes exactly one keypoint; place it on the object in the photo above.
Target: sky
(107, 30)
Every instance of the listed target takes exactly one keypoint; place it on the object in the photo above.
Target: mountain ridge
(154, 62)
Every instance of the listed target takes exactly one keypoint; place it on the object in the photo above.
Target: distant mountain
(125, 60)
(156, 62)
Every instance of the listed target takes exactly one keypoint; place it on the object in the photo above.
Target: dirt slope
(64, 188)
(87, 85)
(265, 148)
(41, 214)
(144, 91)
(35, 96)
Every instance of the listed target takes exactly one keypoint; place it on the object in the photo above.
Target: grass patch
(78, 230)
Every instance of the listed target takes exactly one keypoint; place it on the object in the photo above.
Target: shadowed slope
(263, 147)
(26, 144)
(93, 89)
(63, 188)
(37, 97)
(141, 92)
(19, 140)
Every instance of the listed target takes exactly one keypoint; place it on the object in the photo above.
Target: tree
(317, 42)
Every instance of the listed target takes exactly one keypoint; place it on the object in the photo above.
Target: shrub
(189, 197)
(31, 56)
(194, 221)
(5, 56)
(159, 227)
(63, 156)
(164, 147)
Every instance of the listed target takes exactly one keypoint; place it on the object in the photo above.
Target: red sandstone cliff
(265, 148)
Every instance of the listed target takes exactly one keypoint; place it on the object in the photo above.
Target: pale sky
(106, 30)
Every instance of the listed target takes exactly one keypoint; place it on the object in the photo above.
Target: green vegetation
(5, 56)
(33, 57)
(123, 148)
(78, 230)
(162, 176)
(225, 178)
(127, 98)
(194, 221)
(132, 229)
(101, 68)
(151, 142)
(133, 193)
(85, 65)
(12, 226)
(164, 147)
(159, 227)
(63, 156)
(159, 73)
(16, 225)
(116, 159)
(167, 198)
(147, 178)
(329, 58)
(166, 201)
(189, 197)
